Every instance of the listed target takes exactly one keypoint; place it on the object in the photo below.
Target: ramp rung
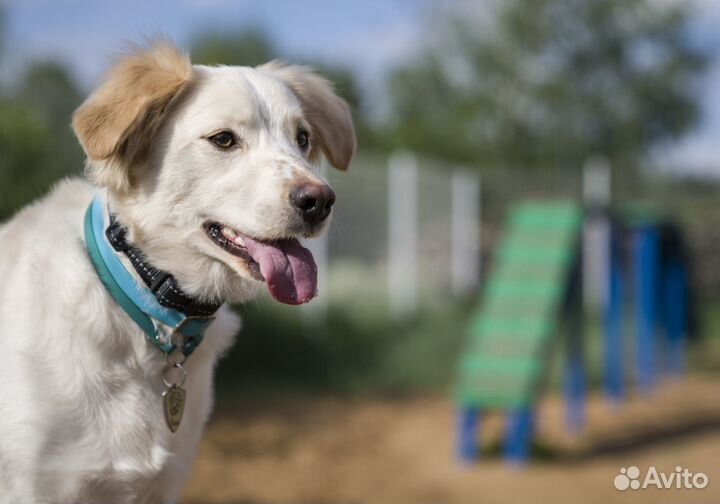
(508, 338)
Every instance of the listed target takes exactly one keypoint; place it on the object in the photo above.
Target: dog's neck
(166, 248)
(161, 283)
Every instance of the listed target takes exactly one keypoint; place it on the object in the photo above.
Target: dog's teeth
(239, 241)
(229, 233)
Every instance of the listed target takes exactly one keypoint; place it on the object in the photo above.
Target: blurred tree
(36, 141)
(49, 92)
(24, 144)
(549, 82)
(48, 88)
(249, 47)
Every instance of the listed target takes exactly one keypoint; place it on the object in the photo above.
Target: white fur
(80, 388)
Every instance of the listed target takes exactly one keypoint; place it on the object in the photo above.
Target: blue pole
(613, 377)
(574, 358)
(518, 434)
(645, 263)
(575, 389)
(468, 422)
(675, 314)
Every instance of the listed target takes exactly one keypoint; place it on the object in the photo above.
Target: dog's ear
(328, 114)
(115, 125)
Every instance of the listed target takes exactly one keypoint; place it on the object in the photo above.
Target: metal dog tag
(173, 405)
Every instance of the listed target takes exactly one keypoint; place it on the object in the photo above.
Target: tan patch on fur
(327, 113)
(117, 122)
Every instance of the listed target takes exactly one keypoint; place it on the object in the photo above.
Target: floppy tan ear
(117, 121)
(328, 114)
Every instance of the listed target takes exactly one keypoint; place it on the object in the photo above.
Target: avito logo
(630, 477)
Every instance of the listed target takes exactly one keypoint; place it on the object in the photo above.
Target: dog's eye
(224, 139)
(303, 139)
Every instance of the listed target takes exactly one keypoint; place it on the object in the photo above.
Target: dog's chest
(124, 451)
(107, 439)
(119, 446)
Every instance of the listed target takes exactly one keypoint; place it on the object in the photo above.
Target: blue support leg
(575, 387)
(518, 435)
(468, 423)
(675, 314)
(613, 376)
(645, 263)
(574, 382)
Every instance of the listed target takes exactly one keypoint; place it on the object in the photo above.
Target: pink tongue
(288, 268)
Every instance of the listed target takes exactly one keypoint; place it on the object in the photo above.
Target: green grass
(704, 349)
(359, 349)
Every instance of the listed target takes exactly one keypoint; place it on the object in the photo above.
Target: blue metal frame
(645, 272)
(575, 386)
(574, 374)
(674, 314)
(519, 427)
(613, 375)
(657, 285)
(468, 426)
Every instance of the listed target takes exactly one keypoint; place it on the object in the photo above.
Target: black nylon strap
(161, 283)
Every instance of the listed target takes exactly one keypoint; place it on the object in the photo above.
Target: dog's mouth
(287, 268)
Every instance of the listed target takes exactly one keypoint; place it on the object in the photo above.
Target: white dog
(203, 181)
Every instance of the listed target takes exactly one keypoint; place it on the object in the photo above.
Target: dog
(201, 181)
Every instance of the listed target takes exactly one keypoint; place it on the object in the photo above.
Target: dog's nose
(313, 201)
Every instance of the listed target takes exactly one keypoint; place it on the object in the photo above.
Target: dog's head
(211, 168)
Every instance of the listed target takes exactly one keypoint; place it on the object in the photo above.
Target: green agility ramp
(507, 352)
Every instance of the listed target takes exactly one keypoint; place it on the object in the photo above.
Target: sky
(699, 152)
(368, 37)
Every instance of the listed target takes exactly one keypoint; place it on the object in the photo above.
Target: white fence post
(596, 232)
(402, 233)
(315, 312)
(466, 229)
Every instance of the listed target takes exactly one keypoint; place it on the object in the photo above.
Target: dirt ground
(400, 451)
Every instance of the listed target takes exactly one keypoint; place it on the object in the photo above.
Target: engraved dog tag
(174, 405)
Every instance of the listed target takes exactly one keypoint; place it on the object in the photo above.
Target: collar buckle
(191, 330)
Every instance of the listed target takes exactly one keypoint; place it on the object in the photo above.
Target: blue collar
(158, 322)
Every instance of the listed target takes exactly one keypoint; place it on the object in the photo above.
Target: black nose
(313, 201)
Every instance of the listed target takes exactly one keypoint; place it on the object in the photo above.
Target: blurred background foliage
(548, 81)
(354, 351)
(526, 94)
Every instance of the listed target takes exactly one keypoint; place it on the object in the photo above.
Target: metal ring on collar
(170, 357)
(170, 367)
